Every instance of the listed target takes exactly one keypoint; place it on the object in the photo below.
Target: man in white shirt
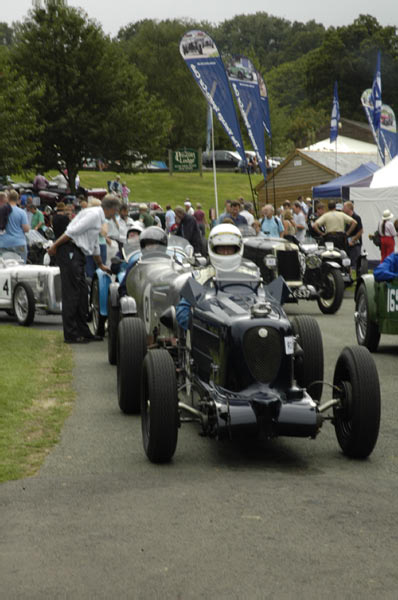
(299, 220)
(71, 248)
(247, 212)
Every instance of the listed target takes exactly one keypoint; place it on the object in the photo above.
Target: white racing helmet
(225, 235)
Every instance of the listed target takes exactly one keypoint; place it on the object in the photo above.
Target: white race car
(23, 288)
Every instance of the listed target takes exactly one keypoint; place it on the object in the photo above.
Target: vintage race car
(23, 288)
(104, 296)
(237, 365)
(376, 310)
(312, 272)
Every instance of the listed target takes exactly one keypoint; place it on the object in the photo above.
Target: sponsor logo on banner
(204, 61)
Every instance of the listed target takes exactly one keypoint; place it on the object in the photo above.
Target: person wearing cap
(145, 217)
(335, 222)
(387, 233)
(71, 249)
(188, 207)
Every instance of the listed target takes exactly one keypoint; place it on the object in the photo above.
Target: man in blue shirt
(271, 226)
(13, 239)
(388, 269)
(234, 214)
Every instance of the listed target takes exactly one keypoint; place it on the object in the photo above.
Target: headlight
(313, 261)
(346, 262)
(270, 261)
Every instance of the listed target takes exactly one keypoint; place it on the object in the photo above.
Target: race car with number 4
(24, 288)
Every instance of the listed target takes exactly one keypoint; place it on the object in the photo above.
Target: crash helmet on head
(136, 227)
(153, 236)
(228, 238)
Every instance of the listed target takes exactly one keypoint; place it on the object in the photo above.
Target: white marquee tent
(370, 202)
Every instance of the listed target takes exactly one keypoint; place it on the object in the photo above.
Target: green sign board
(185, 159)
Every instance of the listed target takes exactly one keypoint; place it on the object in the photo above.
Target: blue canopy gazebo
(362, 176)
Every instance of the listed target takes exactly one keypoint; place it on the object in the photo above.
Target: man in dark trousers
(71, 248)
(188, 229)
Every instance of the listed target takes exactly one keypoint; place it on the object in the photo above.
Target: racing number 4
(6, 288)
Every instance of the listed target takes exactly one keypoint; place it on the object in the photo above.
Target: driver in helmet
(151, 238)
(225, 247)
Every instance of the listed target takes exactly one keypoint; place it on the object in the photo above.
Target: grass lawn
(36, 397)
(166, 189)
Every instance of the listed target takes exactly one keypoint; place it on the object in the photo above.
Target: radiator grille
(263, 355)
(288, 265)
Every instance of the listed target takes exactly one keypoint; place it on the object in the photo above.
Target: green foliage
(20, 134)
(6, 35)
(94, 103)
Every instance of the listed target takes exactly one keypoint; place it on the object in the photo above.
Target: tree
(18, 124)
(6, 35)
(94, 104)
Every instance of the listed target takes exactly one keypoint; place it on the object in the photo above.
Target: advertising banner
(388, 125)
(335, 117)
(204, 61)
(243, 79)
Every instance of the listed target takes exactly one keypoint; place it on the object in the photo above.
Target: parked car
(376, 310)
(225, 159)
(239, 367)
(23, 288)
(311, 272)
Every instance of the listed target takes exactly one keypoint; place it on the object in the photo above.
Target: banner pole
(214, 163)
(253, 194)
(273, 177)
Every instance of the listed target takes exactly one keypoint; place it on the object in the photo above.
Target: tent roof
(386, 176)
(333, 189)
(344, 144)
(346, 161)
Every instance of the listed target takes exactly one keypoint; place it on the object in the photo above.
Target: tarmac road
(292, 518)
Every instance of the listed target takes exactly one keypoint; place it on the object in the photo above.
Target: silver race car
(23, 288)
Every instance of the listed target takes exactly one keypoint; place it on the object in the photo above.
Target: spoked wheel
(332, 292)
(357, 418)
(113, 322)
(308, 368)
(23, 303)
(367, 332)
(159, 410)
(131, 349)
(98, 320)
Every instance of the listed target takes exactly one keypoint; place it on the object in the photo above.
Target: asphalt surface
(292, 518)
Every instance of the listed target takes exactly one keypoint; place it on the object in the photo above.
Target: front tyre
(131, 350)
(367, 332)
(308, 367)
(159, 410)
(332, 291)
(357, 418)
(24, 304)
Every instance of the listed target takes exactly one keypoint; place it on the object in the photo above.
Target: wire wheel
(23, 303)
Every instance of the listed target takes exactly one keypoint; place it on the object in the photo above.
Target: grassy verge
(36, 397)
(166, 189)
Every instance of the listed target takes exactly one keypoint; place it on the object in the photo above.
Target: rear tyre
(159, 410)
(367, 332)
(113, 322)
(308, 368)
(332, 292)
(357, 419)
(131, 350)
(24, 304)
